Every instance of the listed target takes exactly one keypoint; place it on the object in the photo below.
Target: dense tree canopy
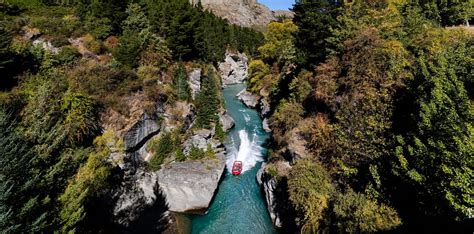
(385, 116)
(314, 18)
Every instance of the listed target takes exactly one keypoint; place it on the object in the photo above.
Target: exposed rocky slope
(234, 68)
(242, 12)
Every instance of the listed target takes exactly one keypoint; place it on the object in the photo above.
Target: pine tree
(5, 40)
(180, 83)
(20, 204)
(314, 18)
(136, 32)
(207, 101)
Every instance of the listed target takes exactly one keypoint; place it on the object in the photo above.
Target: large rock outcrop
(178, 186)
(248, 99)
(234, 69)
(227, 122)
(190, 186)
(275, 189)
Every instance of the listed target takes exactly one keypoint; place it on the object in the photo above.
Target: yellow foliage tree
(89, 182)
(279, 42)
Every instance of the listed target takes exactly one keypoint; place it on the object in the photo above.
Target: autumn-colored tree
(279, 42)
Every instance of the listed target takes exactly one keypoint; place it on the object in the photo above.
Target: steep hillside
(243, 12)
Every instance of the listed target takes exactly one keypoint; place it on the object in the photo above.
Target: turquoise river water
(239, 205)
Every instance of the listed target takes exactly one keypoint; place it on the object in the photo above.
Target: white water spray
(249, 153)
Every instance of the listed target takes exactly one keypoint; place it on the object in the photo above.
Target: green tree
(207, 101)
(314, 19)
(279, 43)
(310, 190)
(434, 152)
(88, 184)
(259, 76)
(180, 83)
(21, 208)
(162, 150)
(80, 117)
(5, 40)
(446, 13)
(356, 213)
(113, 10)
(136, 33)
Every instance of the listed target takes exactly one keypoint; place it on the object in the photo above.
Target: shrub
(287, 116)
(59, 41)
(272, 170)
(196, 153)
(68, 54)
(220, 133)
(162, 149)
(180, 157)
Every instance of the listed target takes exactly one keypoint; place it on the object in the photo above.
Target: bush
(220, 133)
(162, 149)
(196, 153)
(68, 54)
(180, 157)
(94, 45)
(286, 117)
(59, 41)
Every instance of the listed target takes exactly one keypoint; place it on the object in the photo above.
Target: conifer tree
(5, 40)
(180, 83)
(207, 101)
(314, 18)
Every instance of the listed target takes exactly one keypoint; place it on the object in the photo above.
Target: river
(239, 205)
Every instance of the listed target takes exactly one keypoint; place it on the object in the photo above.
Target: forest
(55, 156)
(379, 93)
(380, 96)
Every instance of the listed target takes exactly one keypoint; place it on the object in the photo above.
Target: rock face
(142, 131)
(227, 122)
(269, 186)
(284, 14)
(178, 186)
(248, 98)
(266, 126)
(296, 146)
(194, 81)
(241, 12)
(190, 186)
(264, 107)
(275, 189)
(234, 69)
(134, 194)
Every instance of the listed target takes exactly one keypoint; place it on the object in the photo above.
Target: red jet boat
(237, 168)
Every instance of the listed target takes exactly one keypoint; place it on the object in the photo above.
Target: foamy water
(249, 153)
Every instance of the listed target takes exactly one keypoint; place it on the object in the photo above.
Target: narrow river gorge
(239, 205)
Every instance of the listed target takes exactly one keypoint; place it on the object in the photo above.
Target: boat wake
(249, 152)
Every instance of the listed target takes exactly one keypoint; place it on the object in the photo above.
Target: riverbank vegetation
(70, 70)
(380, 95)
